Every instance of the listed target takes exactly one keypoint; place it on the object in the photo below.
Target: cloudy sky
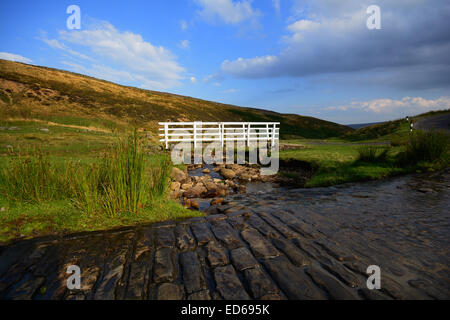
(310, 57)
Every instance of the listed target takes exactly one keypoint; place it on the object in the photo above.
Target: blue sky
(315, 58)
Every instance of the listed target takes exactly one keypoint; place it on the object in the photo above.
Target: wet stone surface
(282, 244)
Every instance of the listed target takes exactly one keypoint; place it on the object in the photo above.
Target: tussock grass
(426, 146)
(372, 154)
(160, 178)
(34, 179)
(124, 185)
(124, 182)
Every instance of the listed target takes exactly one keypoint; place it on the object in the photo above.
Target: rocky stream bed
(205, 187)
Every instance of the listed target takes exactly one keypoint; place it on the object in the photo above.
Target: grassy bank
(28, 220)
(45, 191)
(338, 161)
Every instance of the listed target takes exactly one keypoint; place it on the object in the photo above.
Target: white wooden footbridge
(223, 132)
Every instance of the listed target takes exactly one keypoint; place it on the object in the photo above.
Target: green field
(336, 164)
(338, 160)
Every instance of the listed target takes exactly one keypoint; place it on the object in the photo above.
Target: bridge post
(221, 133)
(195, 135)
(166, 135)
(273, 134)
(248, 135)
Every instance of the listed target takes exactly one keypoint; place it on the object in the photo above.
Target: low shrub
(399, 141)
(372, 154)
(426, 146)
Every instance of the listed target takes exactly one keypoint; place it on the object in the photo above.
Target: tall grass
(124, 181)
(426, 146)
(372, 154)
(159, 175)
(34, 179)
(85, 188)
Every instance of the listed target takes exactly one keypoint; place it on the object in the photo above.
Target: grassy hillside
(396, 131)
(387, 131)
(61, 97)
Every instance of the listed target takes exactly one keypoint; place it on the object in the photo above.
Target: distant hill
(33, 92)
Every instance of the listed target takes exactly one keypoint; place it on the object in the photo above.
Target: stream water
(402, 223)
(414, 208)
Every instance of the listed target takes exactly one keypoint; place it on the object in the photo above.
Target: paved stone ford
(284, 244)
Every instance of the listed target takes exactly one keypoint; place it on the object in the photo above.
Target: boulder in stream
(227, 173)
(178, 175)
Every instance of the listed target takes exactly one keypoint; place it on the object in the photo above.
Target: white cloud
(123, 55)
(254, 67)
(228, 11)
(404, 106)
(193, 79)
(331, 37)
(215, 78)
(302, 25)
(185, 44)
(276, 6)
(54, 44)
(231, 91)
(58, 45)
(183, 25)
(14, 57)
(101, 71)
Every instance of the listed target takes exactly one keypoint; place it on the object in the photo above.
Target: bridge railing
(199, 132)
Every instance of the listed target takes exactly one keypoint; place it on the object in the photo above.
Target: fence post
(273, 134)
(195, 135)
(166, 135)
(221, 133)
(243, 133)
(248, 135)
